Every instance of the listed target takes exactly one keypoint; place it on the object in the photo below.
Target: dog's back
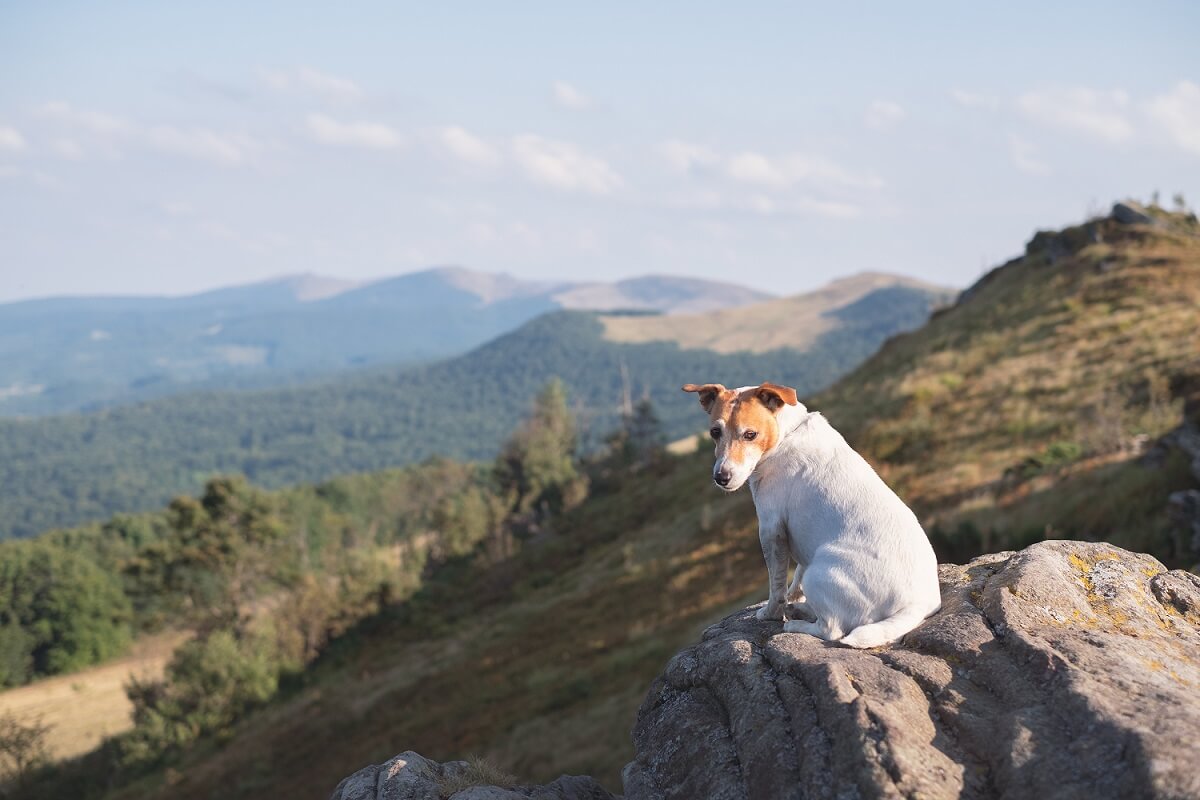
(870, 573)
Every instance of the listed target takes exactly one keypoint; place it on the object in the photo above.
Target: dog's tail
(884, 631)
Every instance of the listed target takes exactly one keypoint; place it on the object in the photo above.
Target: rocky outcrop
(409, 776)
(1066, 670)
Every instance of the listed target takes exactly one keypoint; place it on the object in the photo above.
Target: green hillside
(65, 470)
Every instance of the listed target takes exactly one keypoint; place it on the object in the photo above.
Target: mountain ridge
(80, 353)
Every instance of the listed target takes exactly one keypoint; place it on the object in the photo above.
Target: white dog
(864, 567)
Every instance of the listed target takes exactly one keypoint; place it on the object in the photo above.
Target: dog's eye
(715, 433)
(749, 435)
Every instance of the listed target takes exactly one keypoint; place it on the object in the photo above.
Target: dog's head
(744, 426)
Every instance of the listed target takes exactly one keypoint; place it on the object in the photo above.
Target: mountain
(83, 353)
(536, 653)
(63, 470)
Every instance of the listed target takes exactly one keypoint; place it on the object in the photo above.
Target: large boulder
(410, 776)
(1067, 670)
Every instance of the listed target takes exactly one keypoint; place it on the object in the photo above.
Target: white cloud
(1096, 113)
(969, 99)
(467, 147)
(883, 115)
(567, 96)
(67, 148)
(373, 135)
(91, 121)
(11, 139)
(684, 156)
(203, 145)
(563, 166)
(1178, 112)
(309, 80)
(795, 168)
(1024, 157)
(113, 133)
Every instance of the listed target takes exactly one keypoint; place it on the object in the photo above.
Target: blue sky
(173, 147)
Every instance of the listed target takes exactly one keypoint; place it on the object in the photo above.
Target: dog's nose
(722, 477)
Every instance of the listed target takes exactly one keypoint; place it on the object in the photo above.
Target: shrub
(210, 684)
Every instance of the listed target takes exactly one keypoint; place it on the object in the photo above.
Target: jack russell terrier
(864, 566)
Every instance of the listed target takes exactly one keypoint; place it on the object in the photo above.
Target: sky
(167, 148)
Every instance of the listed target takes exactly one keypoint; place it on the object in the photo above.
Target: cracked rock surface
(1066, 670)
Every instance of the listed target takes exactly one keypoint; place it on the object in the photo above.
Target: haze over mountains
(68, 469)
(66, 354)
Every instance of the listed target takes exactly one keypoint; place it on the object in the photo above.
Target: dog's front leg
(774, 541)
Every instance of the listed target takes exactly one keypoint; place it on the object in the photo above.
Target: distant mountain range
(84, 353)
(63, 470)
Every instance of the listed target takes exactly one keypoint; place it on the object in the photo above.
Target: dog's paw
(769, 614)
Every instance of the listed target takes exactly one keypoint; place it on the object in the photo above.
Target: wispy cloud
(11, 139)
(796, 168)
(370, 135)
(685, 156)
(91, 121)
(1178, 113)
(569, 97)
(1023, 155)
(1096, 113)
(884, 115)
(311, 81)
(969, 99)
(114, 133)
(563, 165)
(201, 144)
(466, 147)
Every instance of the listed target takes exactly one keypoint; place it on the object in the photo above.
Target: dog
(864, 567)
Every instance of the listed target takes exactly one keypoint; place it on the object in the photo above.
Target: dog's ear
(709, 393)
(774, 396)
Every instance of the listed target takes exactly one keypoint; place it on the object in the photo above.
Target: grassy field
(84, 708)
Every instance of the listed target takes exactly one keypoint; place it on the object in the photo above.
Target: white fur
(865, 567)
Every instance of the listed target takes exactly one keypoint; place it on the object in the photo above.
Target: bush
(210, 684)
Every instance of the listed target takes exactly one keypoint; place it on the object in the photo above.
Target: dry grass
(791, 322)
(479, 772)
(84, 708)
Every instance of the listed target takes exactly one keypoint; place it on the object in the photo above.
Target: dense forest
(264, 580)
(67, 470)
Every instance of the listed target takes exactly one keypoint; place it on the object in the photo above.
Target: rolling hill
(67, 354)
(64, 470)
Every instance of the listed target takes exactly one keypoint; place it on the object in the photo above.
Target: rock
(1066, 670)
(410, 776)
(1131, 213)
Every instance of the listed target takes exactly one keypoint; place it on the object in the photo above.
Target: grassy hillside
(1017, 413)
(65, 470)
(68, 354)
(539, 658)
(788, 322)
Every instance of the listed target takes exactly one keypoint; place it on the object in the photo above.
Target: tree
(536, 466)
(640, 439)
(71, 613)
(214, 560)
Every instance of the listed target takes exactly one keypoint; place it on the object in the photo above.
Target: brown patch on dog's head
(744, 426)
